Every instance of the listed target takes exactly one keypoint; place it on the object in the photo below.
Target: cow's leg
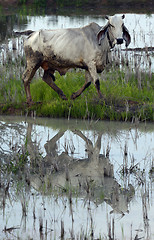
(87, 84)
(27, 77)
(94, 76)
(49, 79)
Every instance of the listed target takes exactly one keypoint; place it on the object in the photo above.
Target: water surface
(92, 177)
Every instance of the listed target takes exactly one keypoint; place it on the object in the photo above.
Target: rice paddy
(68, 174)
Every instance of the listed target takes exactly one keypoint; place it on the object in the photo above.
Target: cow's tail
(27, 33)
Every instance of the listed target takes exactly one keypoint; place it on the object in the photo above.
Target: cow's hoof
(30, 103)
(101, 96)
(38, 103)
(73, 96)
(64, 97)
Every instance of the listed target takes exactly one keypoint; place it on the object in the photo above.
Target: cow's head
(115, 31)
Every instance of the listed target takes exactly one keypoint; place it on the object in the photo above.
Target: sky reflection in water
(134, 191)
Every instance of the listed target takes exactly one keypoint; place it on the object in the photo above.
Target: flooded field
(75, 179)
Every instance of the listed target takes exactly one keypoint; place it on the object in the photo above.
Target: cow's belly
(61, 65)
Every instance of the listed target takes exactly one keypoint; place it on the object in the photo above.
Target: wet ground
(76, 179)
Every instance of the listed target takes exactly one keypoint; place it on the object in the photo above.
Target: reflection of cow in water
(92, 177)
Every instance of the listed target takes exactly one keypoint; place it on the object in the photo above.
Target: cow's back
(73, 43)
(68, 48)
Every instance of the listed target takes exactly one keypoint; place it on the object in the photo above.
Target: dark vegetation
(77, 6)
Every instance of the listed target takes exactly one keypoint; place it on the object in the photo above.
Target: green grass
(124, 98)
(118, 95)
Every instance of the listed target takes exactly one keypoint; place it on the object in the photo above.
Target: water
(89, 176)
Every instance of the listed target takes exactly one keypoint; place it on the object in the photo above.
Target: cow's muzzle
(119, 40)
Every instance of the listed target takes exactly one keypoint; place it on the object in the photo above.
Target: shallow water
(95, 178)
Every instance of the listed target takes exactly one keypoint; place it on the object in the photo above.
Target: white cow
(59, 50)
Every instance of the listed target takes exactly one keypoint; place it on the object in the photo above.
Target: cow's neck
(109, 40)
(106, 45)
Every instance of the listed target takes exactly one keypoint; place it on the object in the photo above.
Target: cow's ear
(101, 34)
(126, 36)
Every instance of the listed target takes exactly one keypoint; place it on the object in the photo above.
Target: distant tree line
(101, 6)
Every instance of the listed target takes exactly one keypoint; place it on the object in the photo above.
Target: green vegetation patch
(122, 100)
(124, 97)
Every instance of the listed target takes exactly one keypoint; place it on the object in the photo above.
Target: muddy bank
(121, 111)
